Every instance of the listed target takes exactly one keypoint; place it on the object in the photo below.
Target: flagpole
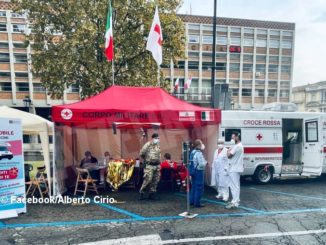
(158, 76)
(113, 72)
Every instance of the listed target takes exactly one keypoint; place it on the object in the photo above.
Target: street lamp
(27, 102)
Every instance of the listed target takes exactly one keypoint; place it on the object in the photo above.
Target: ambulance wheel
(263, 175)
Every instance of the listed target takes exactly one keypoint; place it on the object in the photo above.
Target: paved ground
(266, 214)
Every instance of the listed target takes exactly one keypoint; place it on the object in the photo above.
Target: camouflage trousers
(152, 176)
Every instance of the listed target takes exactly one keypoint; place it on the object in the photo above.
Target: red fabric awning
(132, 107)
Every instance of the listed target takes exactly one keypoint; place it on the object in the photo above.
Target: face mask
(202, 147)
(156, 141)
(220, 146)
(232, 142)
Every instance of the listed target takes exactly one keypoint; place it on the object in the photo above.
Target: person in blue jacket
(196, 170)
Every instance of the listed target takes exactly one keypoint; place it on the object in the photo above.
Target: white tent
(34, 124)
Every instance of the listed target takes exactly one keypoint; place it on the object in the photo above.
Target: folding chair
(39, 181)
(84, 178)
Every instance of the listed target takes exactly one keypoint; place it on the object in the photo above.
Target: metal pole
(113, 72)
(213, 56)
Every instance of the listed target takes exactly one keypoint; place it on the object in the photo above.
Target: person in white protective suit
(220, 175)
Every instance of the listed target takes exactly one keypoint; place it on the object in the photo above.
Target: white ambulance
(5, 152)
(278, 143)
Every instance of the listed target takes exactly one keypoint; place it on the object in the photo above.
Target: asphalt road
(289, 211)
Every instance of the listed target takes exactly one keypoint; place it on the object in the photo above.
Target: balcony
(196, 98)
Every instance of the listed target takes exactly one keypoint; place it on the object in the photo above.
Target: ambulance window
(229, 132)
(312, 131)
(293, 137)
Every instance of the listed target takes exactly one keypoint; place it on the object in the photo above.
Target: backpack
(192, 167)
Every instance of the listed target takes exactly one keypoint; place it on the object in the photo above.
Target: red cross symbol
(259, 137)
(157, 29)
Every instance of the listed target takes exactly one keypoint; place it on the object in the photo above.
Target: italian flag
(207, 115)
(109, 35)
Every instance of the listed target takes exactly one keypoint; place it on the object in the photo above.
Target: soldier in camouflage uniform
(151, 153)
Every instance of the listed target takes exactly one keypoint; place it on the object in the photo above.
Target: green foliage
(68, 42)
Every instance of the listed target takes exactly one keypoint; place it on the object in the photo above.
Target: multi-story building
(16, 79)
(310, 97)
(254, 57)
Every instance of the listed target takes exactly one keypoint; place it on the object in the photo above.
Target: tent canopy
(33, 124)
(131, 106)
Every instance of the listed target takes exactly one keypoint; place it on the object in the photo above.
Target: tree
(67, 40)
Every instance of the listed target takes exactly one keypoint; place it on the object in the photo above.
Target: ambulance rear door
(312, 146)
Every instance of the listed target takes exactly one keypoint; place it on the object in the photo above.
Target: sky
(309, 17)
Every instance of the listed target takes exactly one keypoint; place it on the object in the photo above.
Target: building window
(274, 32)
(20, 58)
(3, 14)
(234, 56)
(246, 92)
(193, 54)
(247, 83)
(21, 74)
(4, 74)
(38, 87)
(4, 45)
(4, 57)
(3, 27)
(235, 29)
(207, 54)
(273, 59)
(273, 43)
(248, 58)
(284, 93)
(260, 83)
(248, 31)
(207, 39)
(220, 81)
(235, 92)
(286, 69)
(285, 84)
(248, 42)
(286, 44)
(221, 28)
(261, 32)
(273, 68)
(18, 28)
(259, 93)
(193, 39)
(193, 65)
(272, 84)
(323, 96)
(313, 96)
(206, 66)
(73, 88)
(207, 27)
(17, 15)
(261, 43)
(220, 55)
(220, 66)
(19, 45)
(236, 41)
(193, 27)
(221, 40)
(272, 93)
(286, 59)
(260, 68)
(247, 67)
(287, 33)
(261, 58)
(22, 87)
(180, 65)
(5, 87)
(235, 83)
(235, 67)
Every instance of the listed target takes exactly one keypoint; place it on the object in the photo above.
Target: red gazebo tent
(119, 120)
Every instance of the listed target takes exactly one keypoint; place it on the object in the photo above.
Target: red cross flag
(155, 38)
